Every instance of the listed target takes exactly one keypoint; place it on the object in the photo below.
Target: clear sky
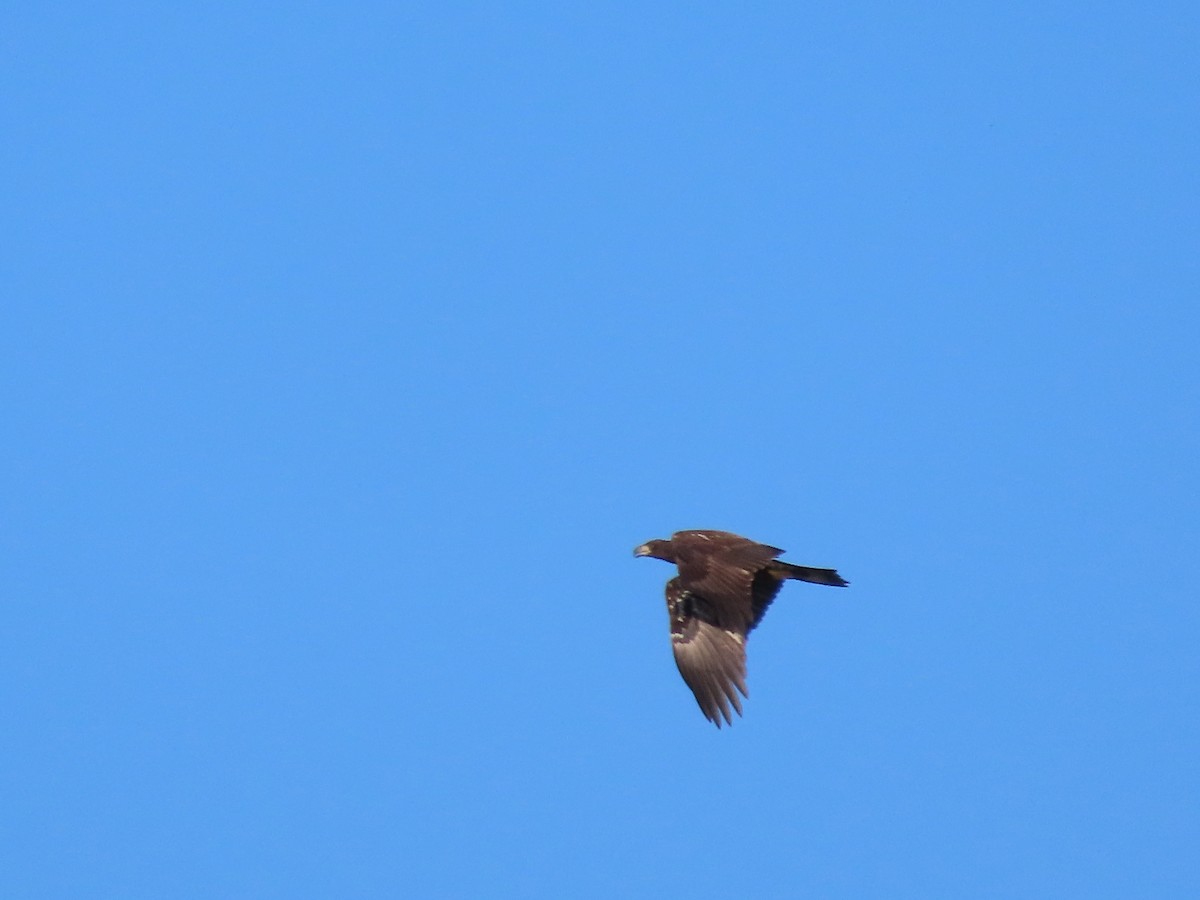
(347, 350)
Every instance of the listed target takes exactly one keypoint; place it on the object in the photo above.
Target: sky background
(347, 350)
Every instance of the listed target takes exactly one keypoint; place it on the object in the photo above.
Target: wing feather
(711, 658)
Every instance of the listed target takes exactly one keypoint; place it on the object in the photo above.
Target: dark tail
(809, 574)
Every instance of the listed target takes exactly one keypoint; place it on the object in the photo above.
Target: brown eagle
(724, 587)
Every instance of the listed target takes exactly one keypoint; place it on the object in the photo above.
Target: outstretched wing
(711, 658)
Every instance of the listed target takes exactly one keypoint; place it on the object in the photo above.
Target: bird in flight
(724, 587)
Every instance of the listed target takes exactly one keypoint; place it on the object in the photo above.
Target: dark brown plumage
(724, 587)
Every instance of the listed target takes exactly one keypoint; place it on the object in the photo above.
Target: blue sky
(348, 350)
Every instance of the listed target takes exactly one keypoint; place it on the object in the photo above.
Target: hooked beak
(643, 550)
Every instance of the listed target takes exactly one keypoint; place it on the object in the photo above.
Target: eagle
(724, 586)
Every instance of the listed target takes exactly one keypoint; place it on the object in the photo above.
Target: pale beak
(641, 551)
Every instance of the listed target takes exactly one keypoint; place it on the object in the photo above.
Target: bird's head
(657, 549)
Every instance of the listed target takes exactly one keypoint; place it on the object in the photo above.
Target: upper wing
(721, 567)
(711, 658)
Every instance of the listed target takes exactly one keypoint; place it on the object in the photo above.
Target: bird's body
(724, 586)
